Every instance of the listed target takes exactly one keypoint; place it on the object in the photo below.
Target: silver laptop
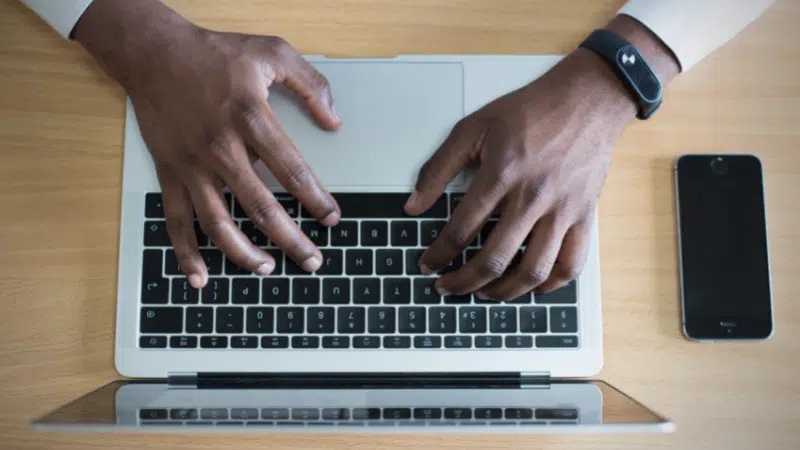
(366, 335)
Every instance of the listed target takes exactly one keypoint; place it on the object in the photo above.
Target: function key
(274, 342)
(153, 414)
(153, 206)
(335, 414)
(244, 413)
(488, 413)
(556, 413)
(397, 342)
(155, 234)
(153, 341)
(244, 342)
(458, 342)
(458, 413)
(336, 341)
(366, 342)
(214, 342)
(183, 414)
(427, 341)
(557, 341)
(183, 342)
(305, 342)
(519, 342)
(518, 413)
(366, 413)
(397, 413)
(488, 342)
(427, 413)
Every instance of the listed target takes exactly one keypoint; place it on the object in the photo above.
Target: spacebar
(382, 205)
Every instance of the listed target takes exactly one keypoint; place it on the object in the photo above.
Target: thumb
(452, 156)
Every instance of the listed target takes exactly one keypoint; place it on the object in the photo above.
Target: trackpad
(394, 116)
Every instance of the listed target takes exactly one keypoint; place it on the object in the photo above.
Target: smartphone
(722, 244)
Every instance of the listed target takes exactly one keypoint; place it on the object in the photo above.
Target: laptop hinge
(535, 380)
(182, 380)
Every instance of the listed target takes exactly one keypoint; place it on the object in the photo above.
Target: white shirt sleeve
(62, 15)
(693, 29)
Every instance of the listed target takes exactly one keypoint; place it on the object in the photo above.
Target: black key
(518, 413)
(396, 291)
(336, 341)
(228, 200)
(366, 342)
(275, 291)
(351, 320)
(153, 341)
(487, 230)
(171, 266)
(389, 262)
(290, 320)
(427, 413)
(216, 292)
(336, 291)
(425, 292)
(275, 413)
(253, 234)
(214, 413)
(442, 320)
(155, 234)
(289, 204)
(563, 319)
(183, 342)
(183, 414)
(316, 232)
(458, 413)
(244, 413)
(153, 414)
(519, 342)
(557, 341)
(523, 299)
(202, 239)
(335, 413)
(533, 319)
(397, 342)
(245, 291)
(332, 262)
(404, 233)
(260, 320)
(374, 233)
(305, 342)
(453, 265)
(566, 295)
(463, 299)
(292, 268)
(366, 413)
(305, 291)
(470, 253)
(153, 206)
(214, 342)
(381, 320)
(155, 288)
(396, 413)
(366, 291)
(455, 200)
(321, 320)
(488, 413)
(213, 259)
(472, 319)
(199, 319)
(458, 341)
(238, 211)
(427, 341)
(411, 320)
(412, 261)
(380, 205)
(345, 234)
(230, 320)
(274, 342)
(277, 255)
(503, 319)
(161, 320)
(359, 262)
(232, 269)
(556, 413)
(244, 342)
(429, 231)
(488, 342)
(305, 413)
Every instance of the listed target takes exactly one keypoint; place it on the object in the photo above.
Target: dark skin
(202, 101)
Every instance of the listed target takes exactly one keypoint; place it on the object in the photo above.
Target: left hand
(543, 152)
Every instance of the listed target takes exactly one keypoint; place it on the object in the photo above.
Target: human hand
(201, 102)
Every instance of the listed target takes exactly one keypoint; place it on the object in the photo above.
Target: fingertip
(331, 219)
(412, 204)
(197, 280)
(266, 268)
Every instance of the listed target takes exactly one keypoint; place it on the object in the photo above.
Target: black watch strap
(630, 67)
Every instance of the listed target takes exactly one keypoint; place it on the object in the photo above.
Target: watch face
(631, 63)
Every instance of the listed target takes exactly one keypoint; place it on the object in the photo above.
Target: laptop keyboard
(368, 294)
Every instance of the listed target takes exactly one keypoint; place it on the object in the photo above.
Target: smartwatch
(630, 67)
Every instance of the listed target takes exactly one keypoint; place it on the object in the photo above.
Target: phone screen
(723, 246)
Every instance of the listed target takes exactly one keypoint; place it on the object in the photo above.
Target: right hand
(201, 102)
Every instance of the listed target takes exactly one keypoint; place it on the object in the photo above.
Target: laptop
(365, 342)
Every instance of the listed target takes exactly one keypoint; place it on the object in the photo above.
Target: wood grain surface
(61, 124)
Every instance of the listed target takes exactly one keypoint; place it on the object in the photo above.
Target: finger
(297, 74)
(269, 216)
(215, 221)
(497, 253)
(180, 226)
(463, 142)
(261, 131)
(572, 257)
(466, 222)
(536, 265)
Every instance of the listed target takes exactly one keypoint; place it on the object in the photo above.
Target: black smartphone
(722, 241)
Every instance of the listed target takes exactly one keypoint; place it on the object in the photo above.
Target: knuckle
(494, 266)
(537, 275)
(457, 238)
(320, 83)
(299, 177)
(567, 272)
(505, 176)
(279, 46)
(248, 113)
(214, 227)
(265, 213)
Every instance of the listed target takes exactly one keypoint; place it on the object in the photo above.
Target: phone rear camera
(719, 166)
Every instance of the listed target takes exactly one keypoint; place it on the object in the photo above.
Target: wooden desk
(60, 161)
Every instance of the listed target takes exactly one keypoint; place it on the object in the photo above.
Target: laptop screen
(557, 407)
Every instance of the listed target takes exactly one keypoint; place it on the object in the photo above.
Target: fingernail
(196, 280)
(331, 219)
(266, 268)
(311, 264)
(442, 291)
(425, 270)
(412, 200)
(481, 296)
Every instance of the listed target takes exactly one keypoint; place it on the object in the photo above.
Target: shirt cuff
(62, 15)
